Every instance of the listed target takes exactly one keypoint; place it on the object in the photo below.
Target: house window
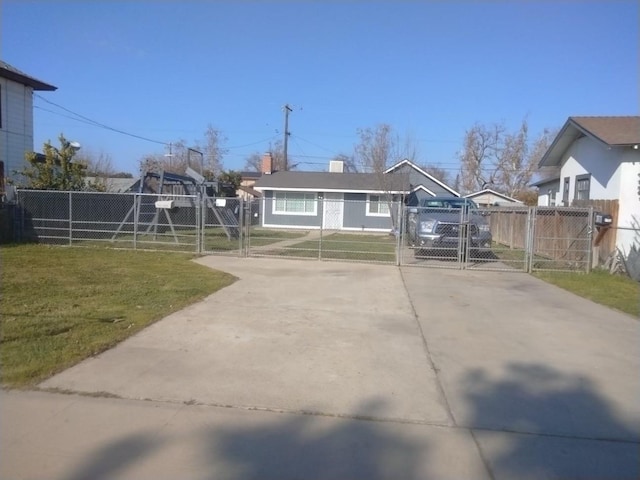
(295, 203)
(552, 197)
(583, 186)
(377, 206)
(565, 192)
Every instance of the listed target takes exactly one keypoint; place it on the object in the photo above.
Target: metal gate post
(530, 239)
(70, 220)
(199, 229)
(462, 240)
(399, 234)
(241, 222)
(590, 240)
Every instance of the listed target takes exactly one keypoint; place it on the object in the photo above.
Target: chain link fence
(496, 238)
(118, 220)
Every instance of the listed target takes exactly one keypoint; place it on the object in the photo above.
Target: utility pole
(286, 109)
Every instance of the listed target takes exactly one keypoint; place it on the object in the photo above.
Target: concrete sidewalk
(306, 369)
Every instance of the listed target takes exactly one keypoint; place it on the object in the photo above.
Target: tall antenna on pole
(286, 109)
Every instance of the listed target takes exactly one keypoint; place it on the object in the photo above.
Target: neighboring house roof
(423, 172)
(492, 192)
(115, 184)
(12, 73)
(332, 182)
(250, 191)
(545, 181)
(250, 174)
(608, 131)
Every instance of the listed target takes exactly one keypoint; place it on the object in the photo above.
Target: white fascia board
(426, 174)
(422, 187)
(330, 190)
(488, 190)
(291, 227)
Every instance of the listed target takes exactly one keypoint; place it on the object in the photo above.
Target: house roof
(492, 192)
(250, 174)
(250, 191)
(332, 181)
(608, 131)
(545, 181)
(12, 73)
(115, 184)
(423, 172)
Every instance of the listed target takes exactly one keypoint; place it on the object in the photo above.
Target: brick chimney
(267, 163)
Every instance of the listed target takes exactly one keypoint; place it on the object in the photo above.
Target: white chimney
(336, 166)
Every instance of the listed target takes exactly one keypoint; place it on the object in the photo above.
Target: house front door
(333, 211)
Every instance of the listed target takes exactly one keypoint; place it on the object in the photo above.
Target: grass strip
(615, 291)
(61, 305)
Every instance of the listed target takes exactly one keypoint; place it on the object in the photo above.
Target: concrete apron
(297, 336)
(532, 382)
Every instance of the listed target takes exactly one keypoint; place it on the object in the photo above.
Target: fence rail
(495, 238)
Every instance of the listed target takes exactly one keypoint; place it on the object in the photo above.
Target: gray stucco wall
(416, 178)
(355, 213)
(269, 218)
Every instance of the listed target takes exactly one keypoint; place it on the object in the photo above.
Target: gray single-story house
(421, 183)
(337, 200)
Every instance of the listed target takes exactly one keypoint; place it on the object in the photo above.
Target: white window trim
(369, 214)
(274, 210)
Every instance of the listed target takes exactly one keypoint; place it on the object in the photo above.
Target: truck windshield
(448, 203)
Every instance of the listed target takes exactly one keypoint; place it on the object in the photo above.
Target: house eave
(406, 161)
(569, 133)
(15, 76)
(328, 190)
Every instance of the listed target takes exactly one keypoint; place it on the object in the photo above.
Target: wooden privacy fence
(604, 238)
(550, 233)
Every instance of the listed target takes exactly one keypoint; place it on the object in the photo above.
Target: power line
(98, 124)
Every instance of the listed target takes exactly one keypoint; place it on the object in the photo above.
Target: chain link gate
(495, 238)
(521, 239)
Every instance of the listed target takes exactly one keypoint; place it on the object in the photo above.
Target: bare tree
(348, 161)
(213, 149)
(178, 155)
(253, 163)
(438, 172)
(378, 149)
(493, 157)
(277, 156)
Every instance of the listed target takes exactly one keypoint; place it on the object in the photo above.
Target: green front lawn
(616, 291)
(344, 246)
(61, 305)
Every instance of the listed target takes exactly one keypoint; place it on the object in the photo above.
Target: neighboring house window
(565, 192)
(377, 206)
(295, 203)
(583, 186)
(552, 197)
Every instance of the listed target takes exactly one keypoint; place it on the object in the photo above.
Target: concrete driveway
(305, 369)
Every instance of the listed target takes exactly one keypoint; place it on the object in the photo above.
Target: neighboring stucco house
(489, 198)
(599, 159)
(247, 181)
(16, 116)
(548, 191)
(336, 200)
